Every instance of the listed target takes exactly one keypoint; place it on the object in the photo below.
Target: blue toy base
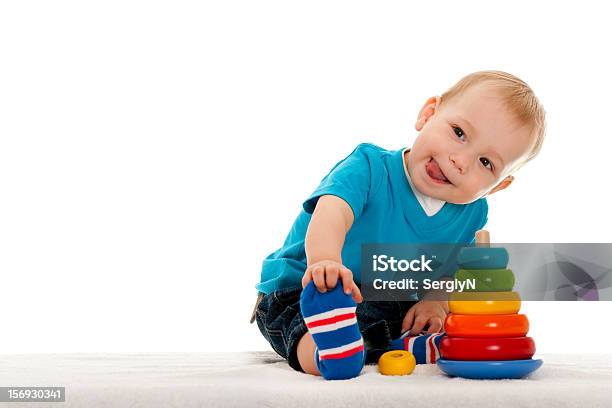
(489, 370)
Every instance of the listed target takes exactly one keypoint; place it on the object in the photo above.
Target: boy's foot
(425, 347)
(330, 318)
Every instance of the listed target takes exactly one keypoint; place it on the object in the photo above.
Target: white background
(153, 153)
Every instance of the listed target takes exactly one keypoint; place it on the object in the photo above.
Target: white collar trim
(430, 205)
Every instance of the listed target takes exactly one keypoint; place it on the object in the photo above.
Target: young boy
(472, 139)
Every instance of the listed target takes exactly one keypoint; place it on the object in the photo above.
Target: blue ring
(483, 258)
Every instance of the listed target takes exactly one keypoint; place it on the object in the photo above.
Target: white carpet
(262, 379)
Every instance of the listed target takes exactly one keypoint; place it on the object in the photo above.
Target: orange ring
(503, 325)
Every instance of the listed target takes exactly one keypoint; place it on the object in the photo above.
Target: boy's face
(467, 147)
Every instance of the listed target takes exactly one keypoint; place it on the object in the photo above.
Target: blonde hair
(516, 94)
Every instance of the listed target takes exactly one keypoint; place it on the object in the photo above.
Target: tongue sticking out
(434, 171)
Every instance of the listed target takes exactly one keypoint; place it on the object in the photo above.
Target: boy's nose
(460, 162)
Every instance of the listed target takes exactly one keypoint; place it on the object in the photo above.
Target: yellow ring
(396, 362)
(484, 303)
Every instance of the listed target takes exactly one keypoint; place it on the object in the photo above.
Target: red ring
(508, 348)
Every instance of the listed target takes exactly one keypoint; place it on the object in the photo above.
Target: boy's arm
(331, 220)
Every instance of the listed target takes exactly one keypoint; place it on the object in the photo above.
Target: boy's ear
(427, 111)
(502, 185)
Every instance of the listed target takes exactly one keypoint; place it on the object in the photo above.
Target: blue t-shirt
(373, 182)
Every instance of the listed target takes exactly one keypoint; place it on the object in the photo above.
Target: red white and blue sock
(424, 347)
(331, 320)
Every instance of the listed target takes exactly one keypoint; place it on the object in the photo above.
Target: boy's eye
(459, 132)
(486, 162)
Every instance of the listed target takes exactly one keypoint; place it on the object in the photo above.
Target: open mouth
(435, 173)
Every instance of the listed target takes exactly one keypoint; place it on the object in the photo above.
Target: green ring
(487, 280)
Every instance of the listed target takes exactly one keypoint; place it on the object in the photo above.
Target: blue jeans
(280, 321)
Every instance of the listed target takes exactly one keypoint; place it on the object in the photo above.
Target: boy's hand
(425, 312)
(325, 275)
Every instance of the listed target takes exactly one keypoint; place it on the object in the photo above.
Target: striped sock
(425, 347)
(330, 318)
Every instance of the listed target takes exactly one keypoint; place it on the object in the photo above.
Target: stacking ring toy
(490, 370)
(505, 348)
(484, 303)
(488, 280)
(396, 362)
(501, 325)
(482, 258)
